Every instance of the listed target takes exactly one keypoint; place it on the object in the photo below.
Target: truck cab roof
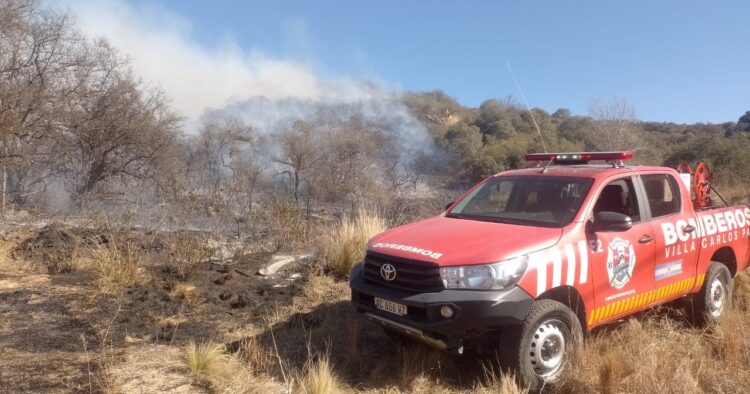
(596, 171)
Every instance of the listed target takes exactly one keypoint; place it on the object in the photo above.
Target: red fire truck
(528, 261)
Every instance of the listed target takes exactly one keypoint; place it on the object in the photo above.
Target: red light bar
(579, 156)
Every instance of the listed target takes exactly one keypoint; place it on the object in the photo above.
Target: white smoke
(268, 93)
(164, 53)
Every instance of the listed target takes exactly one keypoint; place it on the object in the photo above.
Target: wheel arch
(725, 255)
(570, 297)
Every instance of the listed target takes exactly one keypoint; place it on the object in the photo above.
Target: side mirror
(449, 205)
(612, 221)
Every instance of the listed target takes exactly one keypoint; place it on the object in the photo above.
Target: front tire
(710, 303)
(537, 350)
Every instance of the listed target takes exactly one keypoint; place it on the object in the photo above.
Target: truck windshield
(530, 200)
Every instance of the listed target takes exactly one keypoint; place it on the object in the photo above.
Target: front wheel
(710, 303)
(537, 350)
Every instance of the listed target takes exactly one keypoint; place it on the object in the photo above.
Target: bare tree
(300, 152)
(41, 57)
(115, 128)
(227, 154)
(222, 139)
(615, 125)
(347, 166)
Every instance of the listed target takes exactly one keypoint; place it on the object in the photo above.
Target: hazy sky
(683, 61)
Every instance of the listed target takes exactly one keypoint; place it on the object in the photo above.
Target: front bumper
(475, 312)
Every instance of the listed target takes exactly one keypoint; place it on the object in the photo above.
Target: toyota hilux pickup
(528, 261)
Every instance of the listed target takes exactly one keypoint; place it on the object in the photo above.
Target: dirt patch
(41, 339)
(53, 248)
(60, 333)
(160, 368)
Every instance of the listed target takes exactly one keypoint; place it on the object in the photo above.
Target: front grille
(412, 276)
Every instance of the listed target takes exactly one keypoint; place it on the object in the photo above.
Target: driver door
(621, 261)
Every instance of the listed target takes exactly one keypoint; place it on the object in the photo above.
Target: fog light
(446, 312)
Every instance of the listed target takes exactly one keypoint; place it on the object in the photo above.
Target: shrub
(116, 266)
(187, 252)
(287, 223)
(343, 245)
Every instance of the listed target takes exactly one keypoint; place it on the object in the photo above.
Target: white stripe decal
(583, 251)
(556, 267)
(540, 260)
(570, 254)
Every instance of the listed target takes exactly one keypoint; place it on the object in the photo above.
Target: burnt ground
(60, 333)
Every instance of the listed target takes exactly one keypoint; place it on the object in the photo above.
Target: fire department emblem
(620, 262)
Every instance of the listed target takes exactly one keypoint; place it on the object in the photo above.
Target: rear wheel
(710, 303)
(537, 350)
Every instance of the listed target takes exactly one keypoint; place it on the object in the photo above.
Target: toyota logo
(388, 272)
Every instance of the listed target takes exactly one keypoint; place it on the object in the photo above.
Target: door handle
(646, 239)
(688, 229)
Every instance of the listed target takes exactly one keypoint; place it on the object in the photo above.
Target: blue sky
(682, 61)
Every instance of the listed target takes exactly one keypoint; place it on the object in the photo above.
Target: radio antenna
(528, 108)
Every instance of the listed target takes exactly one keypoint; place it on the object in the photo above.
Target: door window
(663, 194)
(619, 196)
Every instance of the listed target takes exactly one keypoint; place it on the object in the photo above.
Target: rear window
(663, 194)
(532, 200)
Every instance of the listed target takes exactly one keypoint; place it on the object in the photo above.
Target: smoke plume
(264, 91)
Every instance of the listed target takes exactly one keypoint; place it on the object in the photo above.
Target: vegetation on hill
(77, 127)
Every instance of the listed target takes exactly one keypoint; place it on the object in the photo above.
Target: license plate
(390, 306)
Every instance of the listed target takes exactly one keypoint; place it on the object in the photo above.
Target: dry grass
(659, 353)
(187, 252)
(289, 224)
(652, 352)
(318, 378)
(186, 292)
(257, 358)
(734, 192)
(170, 322)
(63, 265)
(499, 383)
(116, 265)
(205, 357)
(343, 245)
(226, 373)
(655, 352)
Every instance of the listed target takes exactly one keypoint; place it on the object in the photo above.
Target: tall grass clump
(343, 245)
(225, 372)
(318, 378)
(497, 382)
(204, 357)
(116, 266)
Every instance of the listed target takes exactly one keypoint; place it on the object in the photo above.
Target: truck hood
(451, 241)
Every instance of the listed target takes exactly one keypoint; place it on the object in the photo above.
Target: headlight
(485, 276)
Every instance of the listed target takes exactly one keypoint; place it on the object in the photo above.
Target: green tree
(463, 139)
(743, 124)
(561, 113)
